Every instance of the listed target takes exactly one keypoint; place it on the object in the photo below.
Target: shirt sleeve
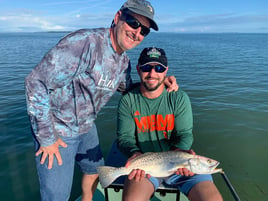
(126, 128)
(127, 83)
(183, 137)
(57, 69)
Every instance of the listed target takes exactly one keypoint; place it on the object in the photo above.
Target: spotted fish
(160, 164)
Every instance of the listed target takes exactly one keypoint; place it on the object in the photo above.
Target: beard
(150, 87)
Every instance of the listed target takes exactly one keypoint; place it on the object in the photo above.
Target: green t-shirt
(154, 125)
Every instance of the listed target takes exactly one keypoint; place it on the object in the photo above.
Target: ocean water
(225, 76)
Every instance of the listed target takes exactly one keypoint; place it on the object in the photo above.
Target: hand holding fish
(132, 157)
(184, 171)
(136, 174)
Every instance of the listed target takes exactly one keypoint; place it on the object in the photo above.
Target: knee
(205, 191)
(215, 197)
(128, 198)
(135, 196)
(89, 185)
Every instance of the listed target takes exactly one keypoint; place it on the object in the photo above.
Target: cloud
(85, 17)
(47, 19)
(60, 3)
(27, 22)
(227, 22)
(78, 7)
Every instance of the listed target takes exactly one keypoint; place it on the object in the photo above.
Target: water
(225, 76)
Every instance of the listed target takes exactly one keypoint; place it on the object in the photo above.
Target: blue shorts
(184, 184)
(56, 183)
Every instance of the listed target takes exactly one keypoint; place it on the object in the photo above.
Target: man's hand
(171, 83)
(132, 157)
(185, 171)
(49, 152)
(136, 174)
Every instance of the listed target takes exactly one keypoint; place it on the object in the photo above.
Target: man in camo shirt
(68, 88)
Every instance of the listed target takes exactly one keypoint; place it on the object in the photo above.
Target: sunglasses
(148, 68)
(135, 24)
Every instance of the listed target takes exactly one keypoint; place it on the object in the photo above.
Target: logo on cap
(154, 53)
(150, 8)
(147, 4)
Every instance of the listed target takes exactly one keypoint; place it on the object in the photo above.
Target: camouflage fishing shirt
(71, 84)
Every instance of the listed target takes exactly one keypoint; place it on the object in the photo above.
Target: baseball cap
(153, 55)
(143, 8)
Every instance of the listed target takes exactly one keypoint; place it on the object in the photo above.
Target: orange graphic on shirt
(137, 113)
(155, 122)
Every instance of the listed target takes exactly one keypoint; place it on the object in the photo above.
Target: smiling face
(152, 83)
(125, 37)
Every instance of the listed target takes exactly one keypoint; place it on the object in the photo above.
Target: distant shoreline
(151, 32)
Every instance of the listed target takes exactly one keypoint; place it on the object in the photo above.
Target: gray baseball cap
(143, 8)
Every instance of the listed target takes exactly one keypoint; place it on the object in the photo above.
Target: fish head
(203, 165)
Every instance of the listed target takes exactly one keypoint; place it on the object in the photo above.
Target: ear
(117, 17)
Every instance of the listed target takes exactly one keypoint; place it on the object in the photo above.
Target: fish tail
(108, 174)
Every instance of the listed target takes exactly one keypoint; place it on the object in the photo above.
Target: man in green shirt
(152, 120)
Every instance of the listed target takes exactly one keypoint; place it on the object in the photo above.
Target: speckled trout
(160, 164)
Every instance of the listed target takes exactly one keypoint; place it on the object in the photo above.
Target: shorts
(56, 183)
(183, 183)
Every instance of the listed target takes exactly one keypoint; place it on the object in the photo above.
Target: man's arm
(127, 84)
(126, 128)
(182, 138)
(57, 69)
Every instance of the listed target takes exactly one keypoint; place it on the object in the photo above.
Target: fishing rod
(231, 188)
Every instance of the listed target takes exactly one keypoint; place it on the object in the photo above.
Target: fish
(160, 164)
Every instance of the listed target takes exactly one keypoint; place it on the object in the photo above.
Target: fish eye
(209, 161)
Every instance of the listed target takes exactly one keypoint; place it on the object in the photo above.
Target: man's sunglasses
(148, 68)
(135, 24)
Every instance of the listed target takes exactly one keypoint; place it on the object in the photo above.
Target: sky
(182, 16)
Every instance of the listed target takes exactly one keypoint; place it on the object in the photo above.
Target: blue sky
(183, 16)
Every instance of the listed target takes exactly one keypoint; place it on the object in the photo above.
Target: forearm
(37, 99)
(58, 68)
(126, 129)
(127, 83)
(183, 124)
(126, 135)
(127, 146)
(183, 140)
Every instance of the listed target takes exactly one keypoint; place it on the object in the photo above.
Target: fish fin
(108, 174)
